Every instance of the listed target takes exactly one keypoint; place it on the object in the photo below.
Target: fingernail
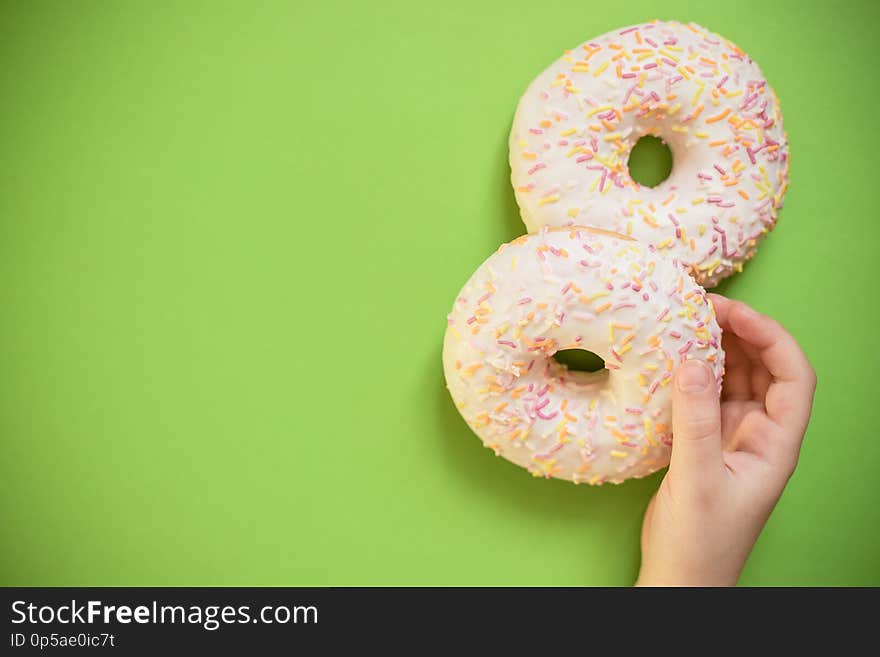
(693, 376)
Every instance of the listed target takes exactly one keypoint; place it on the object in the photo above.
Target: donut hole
(650, 161)
(579, 360)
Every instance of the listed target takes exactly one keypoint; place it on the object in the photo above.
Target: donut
(576, 288)
(705, 98)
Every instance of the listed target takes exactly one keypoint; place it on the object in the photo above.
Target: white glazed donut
(587, 288)
(578, 121)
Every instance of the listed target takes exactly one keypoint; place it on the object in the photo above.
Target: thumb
(696, 421)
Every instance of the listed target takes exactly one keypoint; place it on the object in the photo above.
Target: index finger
(790, 395)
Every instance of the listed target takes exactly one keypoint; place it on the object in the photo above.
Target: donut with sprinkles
(576, 288)
(577, 122)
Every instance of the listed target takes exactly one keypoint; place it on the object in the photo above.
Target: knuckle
(701, 426)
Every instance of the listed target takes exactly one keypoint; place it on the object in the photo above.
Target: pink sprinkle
(538, 166)
(484, 297)
(629, 29)
(547, 417)
(686, 347)
(675, 334)
(507, 343)
(524, 301)
(654, 387)
(720, 170)
(633, 411)
(624, 305)
(662, 314)
(672, 219)
(651, 65)
(584, 158)
(723, 80)
(651, 41)
(471, 319)
(542, 392)
(536, 131)
(543, 404)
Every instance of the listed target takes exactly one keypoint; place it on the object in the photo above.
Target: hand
(731, 457)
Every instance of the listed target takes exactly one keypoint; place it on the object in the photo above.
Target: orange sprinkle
(603, 307)
(718, 117)
(743, 193)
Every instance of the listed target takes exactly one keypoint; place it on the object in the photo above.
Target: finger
(789, 396)
(737, 369)
(737, 364)
(696, 422)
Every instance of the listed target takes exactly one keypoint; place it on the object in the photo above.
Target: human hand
(731, 457)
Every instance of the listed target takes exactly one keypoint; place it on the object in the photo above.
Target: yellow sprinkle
(513, 264)
(710, 265)
(648, 432)
(593, 297)
(618, 454)
(702, 135)
(580, 68)
(679, 128)
(568, 132)
(597, 110)
(601, 68)
(549, 199)
(613, 136)
(698, 200)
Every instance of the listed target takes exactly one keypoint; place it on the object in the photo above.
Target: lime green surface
(229, 237)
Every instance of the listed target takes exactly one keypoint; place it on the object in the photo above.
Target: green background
(229, 237)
